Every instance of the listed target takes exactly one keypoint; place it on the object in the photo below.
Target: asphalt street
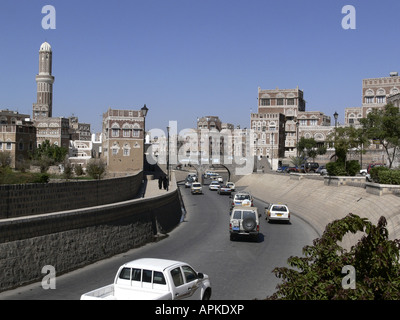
(239, 270)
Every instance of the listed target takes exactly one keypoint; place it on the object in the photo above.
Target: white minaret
(44, 104)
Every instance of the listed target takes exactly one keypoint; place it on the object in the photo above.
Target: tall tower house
(43, 107)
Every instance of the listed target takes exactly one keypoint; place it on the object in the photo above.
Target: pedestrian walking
(160, 182)
(165, 183)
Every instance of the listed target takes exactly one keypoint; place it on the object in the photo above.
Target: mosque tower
(44, 105)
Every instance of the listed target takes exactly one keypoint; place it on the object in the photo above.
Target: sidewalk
(152, 189)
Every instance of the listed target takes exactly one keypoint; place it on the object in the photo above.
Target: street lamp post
(272, 153)
(168, 154)
(256, 154)
(335, 115)
(144, 110)
(297, 138)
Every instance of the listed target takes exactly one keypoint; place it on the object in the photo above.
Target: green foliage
(336, 169)
(346, 138)
(353, 167)
(78, 170)
(389, 177)
(297, 161)
(384, 126)
(375, 173)
(46, 155)
(308, 148)
(8, 176)
(68, 171)
(5, 159)
(318, 274)
(385, 175)
(96, 168)
(40, 178)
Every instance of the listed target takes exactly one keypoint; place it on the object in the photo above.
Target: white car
(196, 188)
(188, 182)
(231, 185)
(238, 198)
(214, 185)
(154, 279)
(277, 211)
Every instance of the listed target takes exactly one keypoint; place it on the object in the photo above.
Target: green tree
(383, 125)
(346, 138)
(96, 168)
(55, 153)
(48, 154)
(318, 275)
(308, 148)
(5, 159)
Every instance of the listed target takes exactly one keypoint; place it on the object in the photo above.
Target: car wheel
(207, 295)
(249, 224)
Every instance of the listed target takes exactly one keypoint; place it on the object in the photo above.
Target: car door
(187, 284)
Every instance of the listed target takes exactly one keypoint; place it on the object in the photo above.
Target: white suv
(244, 221)
(239, 197)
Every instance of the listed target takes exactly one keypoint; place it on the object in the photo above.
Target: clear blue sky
(186, 59)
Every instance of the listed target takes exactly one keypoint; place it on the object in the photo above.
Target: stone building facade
(376, 93)
(123, 140)
(17, 136)
(284, 111)
(57, 130)
(44, 81)
(269, 130)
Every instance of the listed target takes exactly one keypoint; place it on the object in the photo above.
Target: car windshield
(242, 197)
(195, 184)
(279, 208)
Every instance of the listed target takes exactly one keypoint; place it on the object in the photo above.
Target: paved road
(238, 270)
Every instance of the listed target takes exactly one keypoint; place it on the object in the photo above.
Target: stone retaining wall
(319, 204)
(72, 239)
(31, 199)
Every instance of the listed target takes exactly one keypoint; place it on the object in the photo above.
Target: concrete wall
(31, 199)
(71, 239)
(320, 204)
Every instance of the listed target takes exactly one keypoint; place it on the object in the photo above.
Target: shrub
(40, 178)
(353, 167)
(79, 170)
(96, 168)
(318, 274)
(387, 176)
(336, 169)
(375, 173)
